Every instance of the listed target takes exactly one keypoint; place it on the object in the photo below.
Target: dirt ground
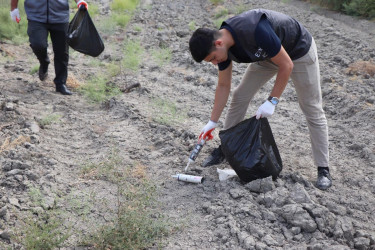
(290, 213)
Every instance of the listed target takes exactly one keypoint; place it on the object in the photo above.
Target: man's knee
(38, 45)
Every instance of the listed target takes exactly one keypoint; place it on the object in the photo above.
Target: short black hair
(201, 43)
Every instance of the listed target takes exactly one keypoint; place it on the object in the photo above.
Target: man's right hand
(15, 15)
(207, 130)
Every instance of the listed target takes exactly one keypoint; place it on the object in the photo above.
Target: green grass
(98, 89)
(137, 28)
(107, 25)
(93, 10)
(124, 5)
(168, 112)
(136, 223)
(121, 19)
(363, 8)
(45, 233)
(48, 120)
(113, 69)
(192, 26)
(218, 22)
(221, 12)
(132, 55)
(34, 69)
(161, 56)
(217, 2)
(36, 196)
(46, 230)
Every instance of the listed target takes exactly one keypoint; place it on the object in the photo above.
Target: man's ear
(218, 43)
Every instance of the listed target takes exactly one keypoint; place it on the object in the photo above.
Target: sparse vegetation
(47, 229)
(364, 8)
(113, 69)
(45, 233)
(124, 5)
(34, 69)
(168, 111)
(132, 55)
(48, 120)
(123, 11)
(221, 11)
(162, 56)
(137, 224)
(98, 89)
(192, 26)
(216, 2)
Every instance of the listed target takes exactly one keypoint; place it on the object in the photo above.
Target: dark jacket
(47, 11)
(295, 39)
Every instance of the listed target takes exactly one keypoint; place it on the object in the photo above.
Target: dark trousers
(38, 34)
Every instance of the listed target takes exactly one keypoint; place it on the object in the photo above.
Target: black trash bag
(250, 149)
(82, 34)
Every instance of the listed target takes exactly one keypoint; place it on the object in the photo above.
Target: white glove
(15, 15)
(265, 110)
(82, 2)
(207, 130)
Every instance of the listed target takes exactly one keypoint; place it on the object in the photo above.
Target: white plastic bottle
(189, 178)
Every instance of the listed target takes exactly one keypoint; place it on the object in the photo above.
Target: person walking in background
(49, 16)
(274, 44)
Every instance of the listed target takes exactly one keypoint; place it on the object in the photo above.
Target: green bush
(45, 233)
(363, 8)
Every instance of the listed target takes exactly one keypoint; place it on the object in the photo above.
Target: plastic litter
(188, 178)
(225, 174)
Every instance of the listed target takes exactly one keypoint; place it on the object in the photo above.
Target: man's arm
(222, 92)
(285, 64)
(13, 4)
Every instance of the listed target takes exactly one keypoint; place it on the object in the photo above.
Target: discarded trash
(189, 178)
(225, 174)
(194, 154)
(250, 149)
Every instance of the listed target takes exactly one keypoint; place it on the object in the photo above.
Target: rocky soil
(290, 213)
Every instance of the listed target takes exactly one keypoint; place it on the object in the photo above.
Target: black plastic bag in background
(82, 34)
(250, 149)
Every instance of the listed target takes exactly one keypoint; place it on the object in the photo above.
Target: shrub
(364, 8)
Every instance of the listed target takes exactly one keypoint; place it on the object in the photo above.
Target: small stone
(5, 235)
(9, 106)
(14, 202)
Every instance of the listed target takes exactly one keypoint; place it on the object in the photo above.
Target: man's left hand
(265, 110)
(82, 2)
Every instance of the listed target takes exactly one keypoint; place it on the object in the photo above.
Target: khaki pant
(306, 79)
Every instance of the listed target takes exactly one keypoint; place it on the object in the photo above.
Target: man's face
(218, 55)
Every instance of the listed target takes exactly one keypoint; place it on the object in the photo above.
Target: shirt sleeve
(266, 38)
(224, 65)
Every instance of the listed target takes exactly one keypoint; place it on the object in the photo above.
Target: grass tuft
(132, 55)
(98, 89)
(162, 56)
